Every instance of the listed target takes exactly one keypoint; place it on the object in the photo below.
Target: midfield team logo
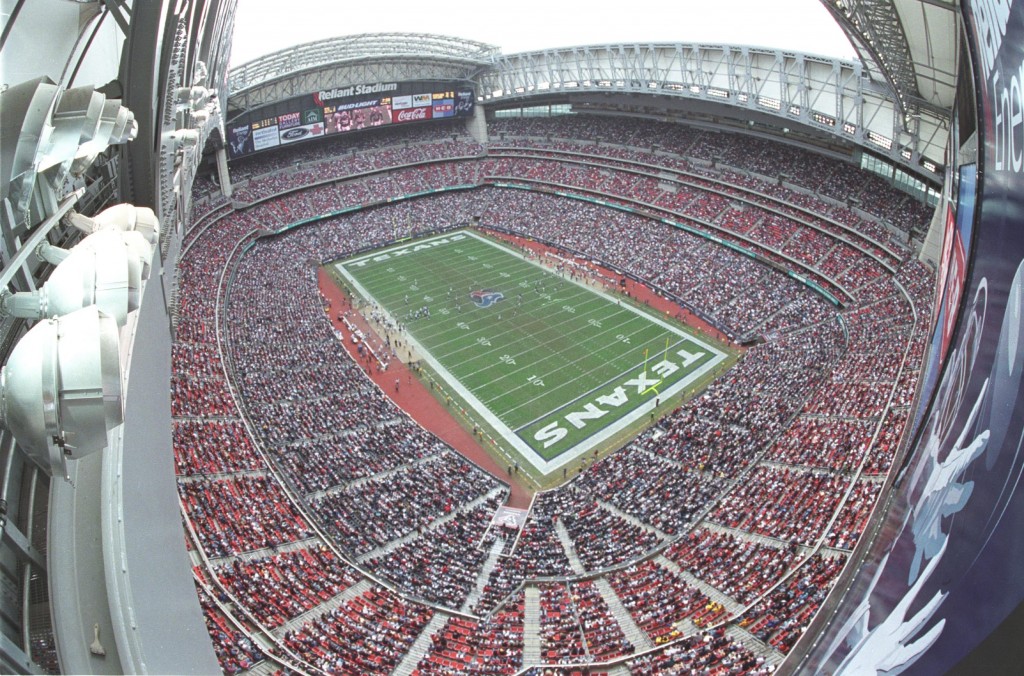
(486, 297)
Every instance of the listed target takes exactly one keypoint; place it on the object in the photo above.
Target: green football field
(553, 365)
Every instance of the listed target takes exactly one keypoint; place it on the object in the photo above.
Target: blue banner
(947, 568)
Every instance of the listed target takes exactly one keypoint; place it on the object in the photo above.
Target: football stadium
(404, 353)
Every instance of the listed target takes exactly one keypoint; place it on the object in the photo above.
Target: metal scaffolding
(832, 96)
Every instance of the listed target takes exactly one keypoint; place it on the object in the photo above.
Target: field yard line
(483, 318)
(506, 432)
(582, 328)
(535, 366)
(585, 395)
(580, 294)
(625, 421)
(610, 298)
(538, 364)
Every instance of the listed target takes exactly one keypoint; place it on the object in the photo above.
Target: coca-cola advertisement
(413, 115)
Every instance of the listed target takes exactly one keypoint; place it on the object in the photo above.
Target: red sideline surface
(413, 397)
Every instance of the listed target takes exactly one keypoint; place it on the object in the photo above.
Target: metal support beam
(115, 8)
(12, 535)
(833, 97)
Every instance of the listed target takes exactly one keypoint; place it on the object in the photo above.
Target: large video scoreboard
(344, 109)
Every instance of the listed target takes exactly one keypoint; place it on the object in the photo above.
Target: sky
(262, 26)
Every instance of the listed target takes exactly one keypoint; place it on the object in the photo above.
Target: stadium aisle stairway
(531, 625)
(634, 634)
(264, 668)
(730, 605)
(421, 646)
(570, 551)
(633, 520)
(744, 638)
(436, 523)
(296, 623)
(484, 576)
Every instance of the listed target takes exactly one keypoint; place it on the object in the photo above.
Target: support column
(931, 250)
(477, 125)
(222, 172)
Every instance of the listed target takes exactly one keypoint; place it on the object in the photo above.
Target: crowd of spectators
(442, 564)
(576, 625)
(283, 586)
(710, 652)
(235, 651)
(341, 149)
(732, 289)
(770, 449)
(785, 504)
(373, 513)
(660, 143)
(213, 447)
(812, 441)
(368, 634)
(649, 487)
(476, 648)
(240, 513)
(741, 569)
(790, 242)
(658, 599)
(538, 554)
(781, 617)
(602, 634)
(599, 537)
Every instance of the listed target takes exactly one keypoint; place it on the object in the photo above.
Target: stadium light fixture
(49, 132)
(122, 218)
(139, 252)
(117, 125)
(182, 139)
(194, 98)
(76, 120)
(25, 132)
(106, 275)
(60, 390)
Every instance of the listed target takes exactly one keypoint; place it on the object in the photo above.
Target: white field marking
(632, 368)
(440, 291)
(532, 344)
(564, 362)
(605, 433)
(574, 320)
(439, 347)
(625, 373)
(458, 235)
(560, 355)
(485, 324)
(541, 464)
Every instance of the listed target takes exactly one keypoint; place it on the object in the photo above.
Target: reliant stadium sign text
(354, 90)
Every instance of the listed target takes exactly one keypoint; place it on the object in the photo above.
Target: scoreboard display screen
(344, 109)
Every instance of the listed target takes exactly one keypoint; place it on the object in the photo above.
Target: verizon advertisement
(348, 108)
(266, 137)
